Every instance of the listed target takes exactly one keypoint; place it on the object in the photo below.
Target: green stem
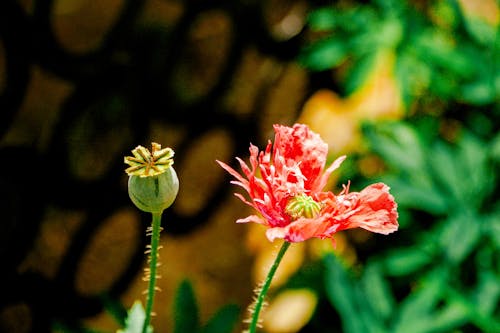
(267, 283)
(154, 231)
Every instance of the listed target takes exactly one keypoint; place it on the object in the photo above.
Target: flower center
(302, 206)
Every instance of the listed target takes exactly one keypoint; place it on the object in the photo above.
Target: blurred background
(409, 90)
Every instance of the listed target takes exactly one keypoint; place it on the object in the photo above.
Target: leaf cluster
(185, 316)
(441, 51)
(441, 271)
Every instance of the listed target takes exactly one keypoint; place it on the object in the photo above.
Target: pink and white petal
(232, 172)
(324, 178)
(374, 221)
(244, 167)
(277, 232)
(300, 230)
(376, 211)
(252, 218)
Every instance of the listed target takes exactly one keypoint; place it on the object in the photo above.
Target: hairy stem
(265, 287)
(154, 232)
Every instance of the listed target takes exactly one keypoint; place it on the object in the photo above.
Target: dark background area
(84, 82)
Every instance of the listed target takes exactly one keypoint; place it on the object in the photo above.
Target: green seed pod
(154, 194)
(302, 206)
(153, 183)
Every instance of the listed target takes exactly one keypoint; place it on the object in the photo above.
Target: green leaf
(402, 147)
(398, 144)
(359, 20)
(458, 236)
(412, 195)
(451, 316)
(323, 19)
(415, 310)
(438, 48)
(413, 75)
(479, 92)
(444, 165)
(447, 11)
(482, 31)
(359, 72)
(349, 299)
(324, 54)
(377, 292)
(492, 226)
(404, 261)
(495, 148)
(389, 32)
(186, 317)
(474, 156)
(341, 294)
(223, 321)
(487, 294)
(485, 323)
(365, 314)
(135, 320)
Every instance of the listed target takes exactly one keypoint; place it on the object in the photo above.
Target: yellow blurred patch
(371, 165)
(290, 311)
(488, 10)
(290, 263)
(337, 120)
(341, 247)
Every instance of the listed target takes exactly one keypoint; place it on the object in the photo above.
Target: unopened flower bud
(153, 184)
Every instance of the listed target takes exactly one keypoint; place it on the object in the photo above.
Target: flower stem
(154, 232)
(265, 287)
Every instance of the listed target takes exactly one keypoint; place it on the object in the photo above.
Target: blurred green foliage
(441, 273)
(441, 270)
(185, 316)
(448, 261)
(441, 52)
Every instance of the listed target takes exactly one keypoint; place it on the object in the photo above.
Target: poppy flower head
(285, 185)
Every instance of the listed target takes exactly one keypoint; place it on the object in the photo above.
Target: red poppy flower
(285, 185)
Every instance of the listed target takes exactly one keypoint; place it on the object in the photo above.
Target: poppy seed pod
(154, 194)
(153, 184)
